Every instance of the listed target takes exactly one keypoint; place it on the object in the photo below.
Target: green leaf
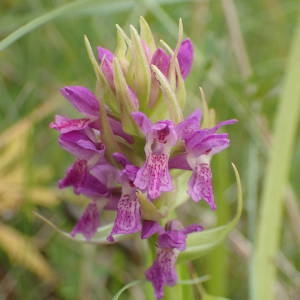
(210, 297)
(99, 237)
(194, 280)
(201, 243)
(276, 177)
(127, 286)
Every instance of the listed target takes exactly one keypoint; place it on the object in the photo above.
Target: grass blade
(77, 7)
(39, 21)
(264, 272)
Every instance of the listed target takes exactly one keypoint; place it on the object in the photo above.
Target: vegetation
(247, 61)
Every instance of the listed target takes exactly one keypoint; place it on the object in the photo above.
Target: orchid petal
(106, 57)
(210, 144)
(88, 222)
(128, 219)
(192, 228)
(190, 125)
(105, 173)
(150, 228)
(91, 187)
(154, 176)
(104, 53)
(82, 181)
(64, 124)
(223, 123)
(172, 239)
(74, 174)
(80, 145)
(163, 271)
(200, 184)
(142, 121)
(185, 57)
(121, 159)
(179, 162)
(162, 60)
(82, 99)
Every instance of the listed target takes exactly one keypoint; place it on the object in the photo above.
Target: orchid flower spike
(129, 136)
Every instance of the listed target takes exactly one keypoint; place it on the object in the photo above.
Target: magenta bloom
(128, 219)
(150, 228)
(154, 177)
(200, 146)
(169, 243)
(128, 138)
(79, 177)
(106, 59)
(185, 57)
(87, 104)
(88, 222)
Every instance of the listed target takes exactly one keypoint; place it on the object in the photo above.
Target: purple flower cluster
(143, 160)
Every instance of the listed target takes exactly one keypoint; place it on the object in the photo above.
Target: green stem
(217, 261)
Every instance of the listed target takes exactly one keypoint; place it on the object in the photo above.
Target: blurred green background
(241, 61)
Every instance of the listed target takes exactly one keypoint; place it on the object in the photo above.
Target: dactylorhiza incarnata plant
(133, 147)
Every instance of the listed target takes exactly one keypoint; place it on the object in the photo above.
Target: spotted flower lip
(170, 242)
(200, 183)
(154, 177)
(200, 146)
(128, 218)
